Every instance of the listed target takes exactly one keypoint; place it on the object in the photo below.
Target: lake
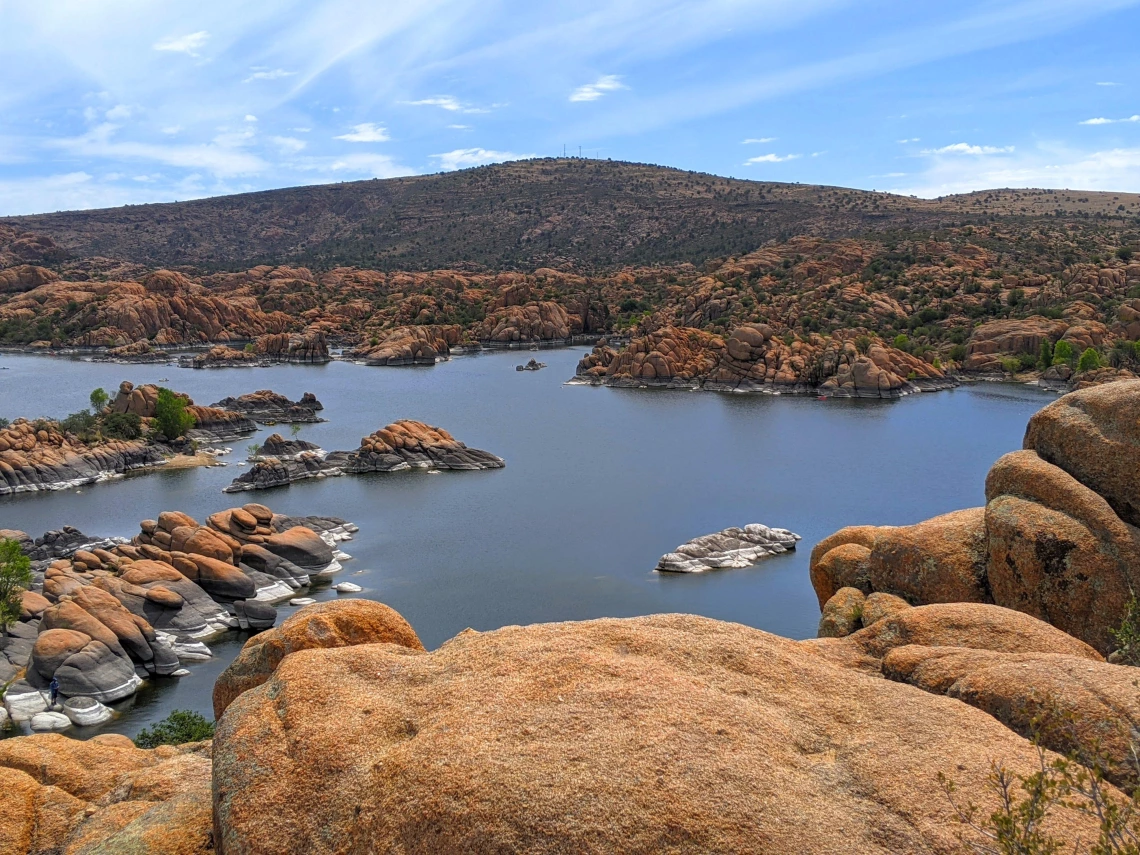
(599, 483)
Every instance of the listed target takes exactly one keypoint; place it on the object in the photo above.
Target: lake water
(599, 484)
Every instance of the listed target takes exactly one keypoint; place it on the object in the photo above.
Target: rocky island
(268, 407)
(733, 547)
(402, 445)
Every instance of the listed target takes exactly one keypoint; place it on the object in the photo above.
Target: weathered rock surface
(733, 547)
(340, 623)
(766, 743)
(418, 345)
(103, 795)
(209, 422)
(405, 444)
(751, 358)
(309, 348)
(1056, 538)
(278, 446)
(267, 406)
(39, 456)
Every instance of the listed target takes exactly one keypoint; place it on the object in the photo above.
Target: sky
(112, 102)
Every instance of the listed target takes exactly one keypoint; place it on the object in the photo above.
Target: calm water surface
(599, 484)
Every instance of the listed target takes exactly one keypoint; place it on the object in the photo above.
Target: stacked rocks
(309, 348)
(410, 444)
(286, 449)
(415, 345)
(210, 423)
(1056, 539)
(39, 456)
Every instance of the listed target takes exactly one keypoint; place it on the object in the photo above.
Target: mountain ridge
(566, 213)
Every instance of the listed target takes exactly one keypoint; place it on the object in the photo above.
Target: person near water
(54, 690)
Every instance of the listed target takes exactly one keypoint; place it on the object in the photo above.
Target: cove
(599, 483)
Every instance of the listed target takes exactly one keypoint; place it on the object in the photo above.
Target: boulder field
(102, 615)
(402, 445)
(660, 734)
(37, 456)
(1057, 538)
(753, 359)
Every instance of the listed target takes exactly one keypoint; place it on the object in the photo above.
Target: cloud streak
(1110, 121)
(461, 158)
(593, 91)
(188, 44)
(967, 149)
(367, 132)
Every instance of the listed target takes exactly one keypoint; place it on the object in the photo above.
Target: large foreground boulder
(663, 734)
(340, 623)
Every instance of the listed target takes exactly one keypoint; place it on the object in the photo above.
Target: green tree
(179, 727)
(171, 415)
(1062, 353)
(122, 426)
(902, 341)
(863, 344)
(15, 578)
(1046, 357)
(295, 430)
(1090, 360)
(99, 399)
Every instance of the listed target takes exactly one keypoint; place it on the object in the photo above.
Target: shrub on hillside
(180, 727)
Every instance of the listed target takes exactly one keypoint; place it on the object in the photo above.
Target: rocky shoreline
(105, 614)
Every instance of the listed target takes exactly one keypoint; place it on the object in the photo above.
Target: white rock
(3, 718)
(85, 712)
(181, 672)
(23, 705)
(50, 721)
(192, 651)
(302, 601)
(275, 593)
(733, 547)
(347, 588)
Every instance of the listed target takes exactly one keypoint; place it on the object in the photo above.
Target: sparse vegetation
(178, 728)
(171, 417)
(15, 578)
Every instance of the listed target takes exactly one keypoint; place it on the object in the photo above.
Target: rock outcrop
(340, 623)
(418, 345)
(276, 445)
(1057, 538)
(210, 423)
(103, 795)
(777, 740)
(309, 348)
(402, 445)
(37, 456)
(269, 407)
(733, 547)
(752, 359)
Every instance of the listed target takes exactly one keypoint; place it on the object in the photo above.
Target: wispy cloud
(911, 140)
(772, 158)
(461, 158)
(189, 44)
(594, 91)
(459, 127)
(222, 157)
(367, 132)
(268, 74)
(1110, 121)
(754, 140)
(1106, 83)
(449, 103)
(290, 145)
(966, 148)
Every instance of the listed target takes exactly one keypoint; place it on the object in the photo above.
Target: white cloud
(365, 164)
(594, 91)
(459, 127)
(754, 140)
(184, 44)
(449, 103)
(249, 117)
(771, 158)
(269, 74)
(912, 139)
(966, 148)
(171, 130)
(1048, 165)
(1110, 121)
(289, 145)
(118, 112)
(464, 157)
(1107, 83)
(366, 132)
(220, 157)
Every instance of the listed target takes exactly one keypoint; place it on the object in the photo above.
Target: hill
(587, 214)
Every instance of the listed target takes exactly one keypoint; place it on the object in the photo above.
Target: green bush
(1090, 360)
(179, 727)
(122, 426)
(99, 399)
(82, 424)
(958, 352)
(4, 423)
(1062, 353)
(1028, 361)
(1046, 356)
(902, 341)
(171, 415)
(863, 344)
(15, 578)
(1011, 365)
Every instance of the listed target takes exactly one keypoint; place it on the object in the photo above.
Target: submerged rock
(733, 547)
(531, 365)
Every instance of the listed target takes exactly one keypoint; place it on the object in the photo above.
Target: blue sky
(108, 102)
